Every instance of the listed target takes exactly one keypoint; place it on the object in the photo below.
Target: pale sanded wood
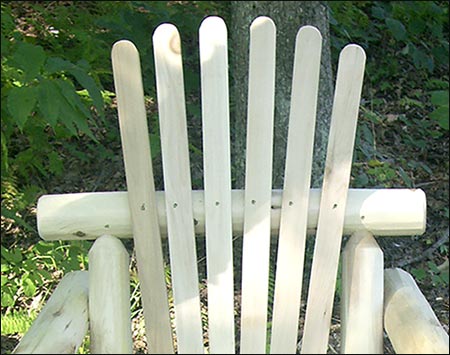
(258, 187)
(177, 185)
(409, 320)
(88, 215)
(62, 324)
(141, 195)
(217, 182)
(333, 200)
(109, 297)
(297, 180)
(362, 296)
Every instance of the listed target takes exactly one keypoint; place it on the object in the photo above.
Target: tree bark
(288, 17)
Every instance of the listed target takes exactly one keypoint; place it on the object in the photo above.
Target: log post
(62, 324)
(409, 320)
(109, 297)
(362, 296)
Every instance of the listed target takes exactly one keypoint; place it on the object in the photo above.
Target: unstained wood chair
(372, 300)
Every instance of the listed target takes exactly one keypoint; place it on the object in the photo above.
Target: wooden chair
(370, 295)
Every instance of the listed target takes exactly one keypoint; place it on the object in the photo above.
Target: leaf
(4, 280)
(73, 112)
(439, 98)
(397, 28)
(422, 60)
(14, 256)
(419, 274)
(48, 101)
(55, 164)
(56, 64)
(7, 301)
(30, 59)
(405, 177)
(69, 92)
(441, 115)
(378, 12)
(89, 84)
(29, 288)
(21, 102)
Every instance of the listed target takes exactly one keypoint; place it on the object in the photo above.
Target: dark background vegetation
(59, 130)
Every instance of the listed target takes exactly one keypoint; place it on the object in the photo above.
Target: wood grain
(362, 296)
(217, 183)
(178, 188)
(333, 200)
(258, 187)
(141, 195)
(297, 181)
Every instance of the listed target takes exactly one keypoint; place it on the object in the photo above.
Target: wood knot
(174, 44)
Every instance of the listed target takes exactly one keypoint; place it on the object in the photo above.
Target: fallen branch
(427, 254)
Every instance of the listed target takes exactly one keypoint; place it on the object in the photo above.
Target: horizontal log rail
(77, 216)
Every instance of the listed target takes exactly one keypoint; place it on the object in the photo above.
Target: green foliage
(441, 113)
(57, 83)
(419, 29)
(27, 272)
(406, 89)
(431, 274)
(17, 322)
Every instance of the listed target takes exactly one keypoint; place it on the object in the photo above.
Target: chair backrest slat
(297, 180)
(258, 187)
(178, 188)
(141, 195)
(217, 184)
(333, 200)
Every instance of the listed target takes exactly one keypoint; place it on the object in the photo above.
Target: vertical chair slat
(333, 200)
(177, 184)
(258, 186)
(217, 183)
(297, 179)
(141, 195)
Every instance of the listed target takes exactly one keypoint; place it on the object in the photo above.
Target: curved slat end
(354, 49)
(309, 32)
(213, 23)
(123, 44)
(213, 29)
(165, 32)
(263, 21)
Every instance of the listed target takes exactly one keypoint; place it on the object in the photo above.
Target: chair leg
(362, 296)
(409, 320)
(63, 322)
(109, 297)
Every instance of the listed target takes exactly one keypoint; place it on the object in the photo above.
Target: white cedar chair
(371, 297)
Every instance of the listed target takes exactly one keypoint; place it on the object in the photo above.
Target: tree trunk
(288, 16)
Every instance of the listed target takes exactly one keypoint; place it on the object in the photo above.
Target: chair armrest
(63, 322)
(409, 320)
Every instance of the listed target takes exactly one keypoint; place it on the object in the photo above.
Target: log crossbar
(88, 215)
